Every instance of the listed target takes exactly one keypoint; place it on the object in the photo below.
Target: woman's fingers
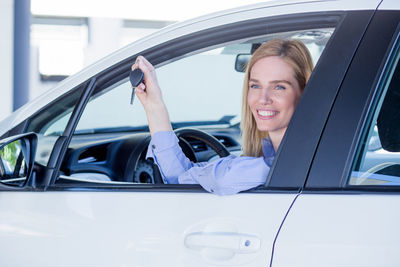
(148, 92)
(145, 62)
(141, 87)
(134, 66)
(146, 67)
(150, 77)
(148, 70)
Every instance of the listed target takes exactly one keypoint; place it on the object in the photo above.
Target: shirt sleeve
(229, 175)
(168, 155)
(224, 176)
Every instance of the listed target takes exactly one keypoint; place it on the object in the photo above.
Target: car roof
(254, 11)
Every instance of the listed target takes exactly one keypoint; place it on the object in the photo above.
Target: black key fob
(136, 77)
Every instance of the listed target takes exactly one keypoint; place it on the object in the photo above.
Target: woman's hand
(149, 94)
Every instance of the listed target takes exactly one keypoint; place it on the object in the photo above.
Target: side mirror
(241, 62)
(17, 156)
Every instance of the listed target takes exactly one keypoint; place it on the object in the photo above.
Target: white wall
(6, 56)
(79, 48)
(104, 38)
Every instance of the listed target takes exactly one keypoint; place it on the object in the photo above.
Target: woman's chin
(262, 128)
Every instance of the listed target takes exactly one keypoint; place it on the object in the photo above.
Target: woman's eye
(254, 86)
(280, 87)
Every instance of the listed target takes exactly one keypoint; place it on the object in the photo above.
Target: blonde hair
(293, 52)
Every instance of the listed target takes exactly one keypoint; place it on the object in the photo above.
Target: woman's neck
(276, 138)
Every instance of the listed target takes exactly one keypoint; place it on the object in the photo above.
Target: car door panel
(131, 228)
(340, 230)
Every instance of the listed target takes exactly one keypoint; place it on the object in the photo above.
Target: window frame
(295, 150)
(191, 43)
(187, 44)
(361, 87)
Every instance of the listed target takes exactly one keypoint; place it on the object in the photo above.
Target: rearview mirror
(241, 62)
(17, 155)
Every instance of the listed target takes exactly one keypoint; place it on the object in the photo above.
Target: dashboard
(121, 156)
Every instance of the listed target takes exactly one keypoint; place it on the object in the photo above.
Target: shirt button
(153, 146)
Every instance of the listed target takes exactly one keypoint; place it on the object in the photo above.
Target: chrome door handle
(234, 242)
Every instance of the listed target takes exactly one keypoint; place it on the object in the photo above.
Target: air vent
(227, 141)
(197, 145)
(93, 154)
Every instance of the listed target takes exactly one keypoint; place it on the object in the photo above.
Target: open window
(202, 89)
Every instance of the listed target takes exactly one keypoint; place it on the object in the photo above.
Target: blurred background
(45, 41)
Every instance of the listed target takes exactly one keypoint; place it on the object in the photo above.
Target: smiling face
(273, 95)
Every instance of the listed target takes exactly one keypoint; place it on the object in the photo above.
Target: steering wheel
(378, 167)
(205, 137)
(137, 167)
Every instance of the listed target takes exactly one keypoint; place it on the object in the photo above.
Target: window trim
(300, 143)
(358, 90)
(393, 61)
(186, 45)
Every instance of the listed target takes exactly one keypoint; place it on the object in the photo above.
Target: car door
(347, 214)
(122, 223)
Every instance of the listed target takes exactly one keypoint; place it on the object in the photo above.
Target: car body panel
(137, 229)
(389, 5)
(340, 230)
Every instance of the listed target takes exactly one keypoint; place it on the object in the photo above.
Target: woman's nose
(265, 97)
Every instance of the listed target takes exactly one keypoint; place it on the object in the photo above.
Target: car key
(136, 77)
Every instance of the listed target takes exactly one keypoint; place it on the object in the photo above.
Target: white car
(76, 189)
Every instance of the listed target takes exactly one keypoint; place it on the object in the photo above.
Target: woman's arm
(224, 176)
(149, 94)
(229, 175)
(169, 157)
(163, 148)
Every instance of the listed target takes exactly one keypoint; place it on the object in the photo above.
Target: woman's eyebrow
(281, 81)
(253, 80)
(272, 82)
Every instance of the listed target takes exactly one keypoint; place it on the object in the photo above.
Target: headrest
(389, 117)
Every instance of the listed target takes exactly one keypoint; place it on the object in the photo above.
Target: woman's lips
(266, 114)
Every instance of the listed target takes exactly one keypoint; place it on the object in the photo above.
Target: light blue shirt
(224, 176)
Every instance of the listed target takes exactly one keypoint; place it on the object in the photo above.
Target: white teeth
(266, 113)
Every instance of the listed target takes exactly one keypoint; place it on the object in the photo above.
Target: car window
(201, 89)
(378, 159)
(50, 123)
(206, 86)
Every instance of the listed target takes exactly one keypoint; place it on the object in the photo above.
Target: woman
(275, 79)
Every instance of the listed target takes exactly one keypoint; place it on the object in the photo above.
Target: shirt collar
(268, 151)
